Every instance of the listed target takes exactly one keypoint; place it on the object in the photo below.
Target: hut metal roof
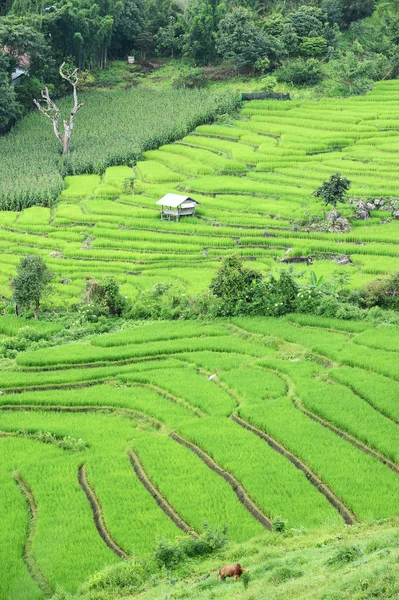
(175, 200)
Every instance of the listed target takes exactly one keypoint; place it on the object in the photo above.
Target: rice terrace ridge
(213, 376)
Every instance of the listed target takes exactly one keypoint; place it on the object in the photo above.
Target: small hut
(175, 206)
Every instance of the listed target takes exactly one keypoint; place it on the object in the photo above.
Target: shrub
(380, 292)
(171, 554)
(268, 84)
(189, 78)
(313, 46)
(301, 72)
(126, 577)
(232, 284)
(278, 524)
(345, 555)
(105, 297)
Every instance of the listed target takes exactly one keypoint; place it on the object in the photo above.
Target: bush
(171, 554)
(345, 555)
(268, 84)
(232, 284)
(313, 46)
(278, 524)
(189, 78)
(104, 297)
(301, 72)
(380, 292)
(126, 577)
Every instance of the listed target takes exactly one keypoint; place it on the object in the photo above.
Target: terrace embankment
(28, 555)
(98, 514)
(348, 516)
(238, 489)
(159, 498)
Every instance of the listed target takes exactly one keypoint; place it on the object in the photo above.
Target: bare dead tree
(50, 110)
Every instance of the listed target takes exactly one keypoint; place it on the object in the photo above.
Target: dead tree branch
(50, 110)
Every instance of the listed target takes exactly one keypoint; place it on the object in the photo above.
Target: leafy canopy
(334, 190)
(32, 281)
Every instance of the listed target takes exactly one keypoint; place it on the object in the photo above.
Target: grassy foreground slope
(353, 564)
(117, 441)
(254, 179)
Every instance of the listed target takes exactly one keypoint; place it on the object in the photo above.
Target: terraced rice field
(110, 444)
(253, 179)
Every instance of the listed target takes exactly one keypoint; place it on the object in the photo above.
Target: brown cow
(232, 571)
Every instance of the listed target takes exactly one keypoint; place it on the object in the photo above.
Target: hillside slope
(356, 563)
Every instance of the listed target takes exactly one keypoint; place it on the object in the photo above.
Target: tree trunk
(52, 112)
(66, 142)
(16, 310)
(37, 304)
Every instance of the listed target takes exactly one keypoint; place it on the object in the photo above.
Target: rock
(363, 214)
(370, 206)
(212, 377)
(333, 215)
(297, 259)
(288, 250)
(337, 223)
(344, 259)
(267, 234)
(1, 393)
(395, 214)
(66, 280)
(56, 255)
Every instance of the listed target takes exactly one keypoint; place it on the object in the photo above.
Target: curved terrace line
(298, 403)
(243, 497)
(369, 402)
(159, 498)
(55, 386)
(127, 413)
(28, 556)
(348, 516)
(345, 436)
(98, 516)
(168, 396)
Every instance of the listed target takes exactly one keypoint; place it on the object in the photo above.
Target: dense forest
(343, 44)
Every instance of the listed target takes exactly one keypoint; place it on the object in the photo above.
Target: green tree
(353, 10)
(31, 283)
(8, 102)
(203, 17)
(233, 282)
(240, 41)
(334, 190)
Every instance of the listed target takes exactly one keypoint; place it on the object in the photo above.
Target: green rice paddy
(313, 386)
(253, 179)
(174, 425)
